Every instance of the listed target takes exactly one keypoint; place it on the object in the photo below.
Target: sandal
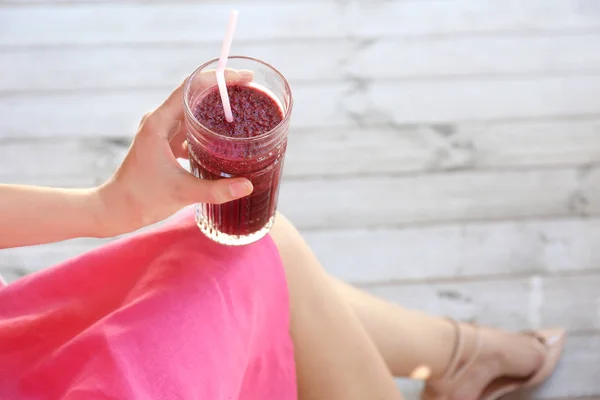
(551, 345)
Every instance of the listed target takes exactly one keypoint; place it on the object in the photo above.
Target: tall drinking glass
(253, 146)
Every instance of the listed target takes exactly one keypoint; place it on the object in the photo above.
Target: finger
(177, 134)
(181, 150)
(205, 78)
(165, 120)
(178, 142)
(208, 78)
(197, 190)
(173, 105)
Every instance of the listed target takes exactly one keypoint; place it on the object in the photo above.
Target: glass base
(227, 239)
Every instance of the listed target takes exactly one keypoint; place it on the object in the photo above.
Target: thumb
(215, 192)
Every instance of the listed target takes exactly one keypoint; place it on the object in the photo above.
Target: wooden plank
(165, 23)
(82, 162)
(584, 308)
(91, 68)
(17, 261)
(405, 255)
(480, 55)
(438, 17)
(472, 99)
(484, 302)
(369, 202)
(577, 373)
(185, 22)
(396, 149)
(117, 113)
(333, 152)
(326, 104)
(512, 303)
(393, 201)
(11, 274)
(379, 202)
(459, 250)
(157, 66)
(400, 201)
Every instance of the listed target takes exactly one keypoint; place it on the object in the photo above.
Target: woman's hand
(148, 187)
(151, 185)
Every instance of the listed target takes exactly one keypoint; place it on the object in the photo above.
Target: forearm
(35, 215)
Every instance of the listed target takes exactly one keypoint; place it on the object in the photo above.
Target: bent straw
(223, 61)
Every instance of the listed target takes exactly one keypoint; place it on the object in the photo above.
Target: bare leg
(335, 357)
(409, 341)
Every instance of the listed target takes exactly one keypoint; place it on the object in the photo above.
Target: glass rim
(286, 113)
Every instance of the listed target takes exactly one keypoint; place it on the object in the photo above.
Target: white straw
(222, 63)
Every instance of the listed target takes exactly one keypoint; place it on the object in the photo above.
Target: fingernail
(240, 189)
(552, 340)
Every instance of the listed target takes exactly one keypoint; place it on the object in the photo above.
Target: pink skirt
(164, 314)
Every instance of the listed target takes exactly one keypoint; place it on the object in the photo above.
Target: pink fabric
(165, 314)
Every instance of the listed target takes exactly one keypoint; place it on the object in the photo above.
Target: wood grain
(117, 113)
(446, 252)
(76, 114)
(474, 56)
(82, 162)
(465, 196)
(93, 68)
(473, 99)
(135, 66)
(404, 148)
(459, 250)
(370, 202)
(512, 303)
(337, 152)
(439, 17)
(165, 23)
(131, 22)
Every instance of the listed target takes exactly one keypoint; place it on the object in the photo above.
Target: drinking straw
(223, 61)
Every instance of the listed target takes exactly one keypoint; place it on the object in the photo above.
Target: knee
(303, 271)
(285, 235)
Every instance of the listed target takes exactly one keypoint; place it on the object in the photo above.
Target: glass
(257, 158)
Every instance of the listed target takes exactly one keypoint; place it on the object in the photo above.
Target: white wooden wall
(445, 154)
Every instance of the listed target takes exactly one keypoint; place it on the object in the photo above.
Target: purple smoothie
(240, 148)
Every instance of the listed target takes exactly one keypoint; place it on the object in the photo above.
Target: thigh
(335, 359)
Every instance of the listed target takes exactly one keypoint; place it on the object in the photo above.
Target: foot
(484, 355)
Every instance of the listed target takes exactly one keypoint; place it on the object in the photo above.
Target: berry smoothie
(245, 147)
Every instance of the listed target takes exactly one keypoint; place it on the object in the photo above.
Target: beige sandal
(552, 343)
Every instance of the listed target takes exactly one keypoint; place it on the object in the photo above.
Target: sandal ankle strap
(455, 368)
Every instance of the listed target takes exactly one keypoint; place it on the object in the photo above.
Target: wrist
(115, 211)
(98, 210)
